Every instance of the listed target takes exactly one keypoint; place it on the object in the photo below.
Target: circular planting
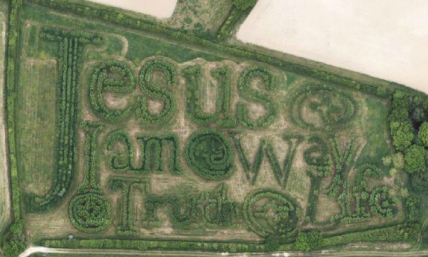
(381, 203)
(209, 154)
(270, 213)
(90, 212)
(322, 107)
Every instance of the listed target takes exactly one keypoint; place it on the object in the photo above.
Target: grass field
(128, 139)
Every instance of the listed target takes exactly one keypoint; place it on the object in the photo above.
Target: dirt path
(4, 178)
(89, 252)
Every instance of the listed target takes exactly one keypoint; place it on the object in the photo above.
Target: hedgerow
(89, 210)
(381, 203)
(212, 209)
(111, 15)
(240, 9)
(334, 108)
(247, 92)
(152, 149)
(267, 149)
(128, 186)
(111, 76)
(144, 245)
(209, 154)
(222, 115)
(153, 91)
(69, 61)
(258, 217)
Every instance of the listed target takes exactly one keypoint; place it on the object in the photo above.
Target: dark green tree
(415, 159)
(14, 241)
(402, 134)
(420, 181)
(423, 133)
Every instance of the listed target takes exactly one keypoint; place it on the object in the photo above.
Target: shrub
(423, 133)
(415, 159)
(210, 155)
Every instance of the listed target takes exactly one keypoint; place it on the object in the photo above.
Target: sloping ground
(159, 8)
(4, 179)
(384, 39)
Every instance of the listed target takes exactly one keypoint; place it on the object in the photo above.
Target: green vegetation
(209, 154)
(240, 10)
(143, 146)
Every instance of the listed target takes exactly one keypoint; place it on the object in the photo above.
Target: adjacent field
(385, 39)
(160, 8)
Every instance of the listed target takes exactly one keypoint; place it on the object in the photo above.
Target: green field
(128, 133)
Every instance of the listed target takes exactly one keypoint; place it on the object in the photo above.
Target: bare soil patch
(385, 39)
(160, 8)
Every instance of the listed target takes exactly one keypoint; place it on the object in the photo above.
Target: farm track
(33, 250)
(4, 175)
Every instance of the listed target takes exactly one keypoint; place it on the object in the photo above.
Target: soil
(385, 39)
(160, 9)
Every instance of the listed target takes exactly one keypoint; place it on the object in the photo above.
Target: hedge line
(128, 185)
(105, 79)
(210, 209)
(112, 16)
(222, 115)
(13, 242)
(144, 245)
(89, 211)
(266, 149)
(152, 150)
(247, 92)
(341, 107)
(153, 91)
(209, 154)
(69, 58)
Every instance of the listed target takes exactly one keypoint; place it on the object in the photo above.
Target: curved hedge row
(70, 49)
(381, 203)
(152, 150)
(210, 209)
(247, 92)
(258, 217)
(334, 108)
(153, 91)
(222, 115)
(110, 76)
(90, 212)
(210, 155)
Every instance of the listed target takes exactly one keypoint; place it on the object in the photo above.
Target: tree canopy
(415, 159)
